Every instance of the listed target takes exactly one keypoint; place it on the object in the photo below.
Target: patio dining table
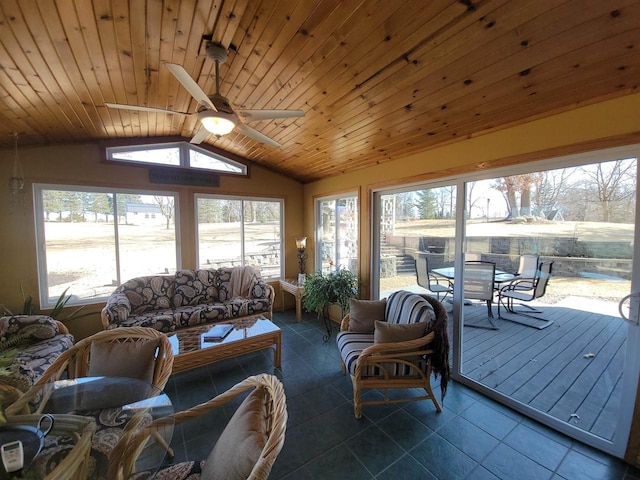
(499, 278)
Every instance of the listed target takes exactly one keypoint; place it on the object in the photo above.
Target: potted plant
(322, 290)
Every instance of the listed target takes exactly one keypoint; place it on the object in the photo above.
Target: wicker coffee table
(249, 335)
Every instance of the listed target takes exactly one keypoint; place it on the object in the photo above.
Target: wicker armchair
(398, 365)
(231, 457)
(138, 352)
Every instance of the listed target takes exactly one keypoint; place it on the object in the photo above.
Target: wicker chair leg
(343, 367)
(357, 398)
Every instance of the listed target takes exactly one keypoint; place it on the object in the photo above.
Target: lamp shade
(218, 123)
(301, 243)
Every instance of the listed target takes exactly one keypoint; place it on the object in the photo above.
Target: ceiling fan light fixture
(218, 123)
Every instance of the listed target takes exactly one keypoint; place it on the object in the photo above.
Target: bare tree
(548, 188)
(613, 182)
(166, 205)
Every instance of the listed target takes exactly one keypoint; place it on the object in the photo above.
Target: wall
(601, 125)
(81, 165)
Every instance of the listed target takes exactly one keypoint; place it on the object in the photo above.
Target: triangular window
(177, 154)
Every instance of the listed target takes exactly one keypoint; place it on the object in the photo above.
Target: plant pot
(335, 313)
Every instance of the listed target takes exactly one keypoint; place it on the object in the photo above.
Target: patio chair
(431, 282)
(527, 270)
(479, 285)
(247, 447)
(516, 292)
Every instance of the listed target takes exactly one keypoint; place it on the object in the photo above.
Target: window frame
(184, 149)
(241, 198)
(46, 301)
(318, 227)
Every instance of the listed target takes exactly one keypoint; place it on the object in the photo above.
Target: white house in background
(144, 214)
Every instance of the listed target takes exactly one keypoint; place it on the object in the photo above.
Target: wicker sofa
(188, 298)
(38, 341)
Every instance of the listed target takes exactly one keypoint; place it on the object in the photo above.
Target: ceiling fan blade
(255, 115)
(256, 135)
(190, 85)
(200, 136)
(143, 109)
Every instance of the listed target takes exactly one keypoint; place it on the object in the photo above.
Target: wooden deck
(571, 369)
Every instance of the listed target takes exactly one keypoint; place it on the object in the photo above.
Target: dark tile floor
(473, 437)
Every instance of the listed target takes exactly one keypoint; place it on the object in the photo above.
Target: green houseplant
(323, 289)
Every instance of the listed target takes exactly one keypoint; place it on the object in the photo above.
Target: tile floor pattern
(473, 438)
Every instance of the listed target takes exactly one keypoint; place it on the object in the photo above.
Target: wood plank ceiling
(377, 79)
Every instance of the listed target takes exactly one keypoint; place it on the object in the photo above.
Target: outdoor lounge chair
(518, 291)
(431, 282)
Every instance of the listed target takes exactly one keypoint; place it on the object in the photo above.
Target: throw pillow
(398, 332)
(126, 359)
(241, 443)
(364, 313)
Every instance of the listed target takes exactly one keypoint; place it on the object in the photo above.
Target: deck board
(547, 369)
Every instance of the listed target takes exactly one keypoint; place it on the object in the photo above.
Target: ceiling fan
(215, 113)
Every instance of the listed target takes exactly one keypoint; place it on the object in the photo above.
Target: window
(177, 154)
(91, 240)
(337, 233)
(240, 231)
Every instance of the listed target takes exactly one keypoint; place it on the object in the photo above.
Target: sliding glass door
(544, 255)
(415, 224)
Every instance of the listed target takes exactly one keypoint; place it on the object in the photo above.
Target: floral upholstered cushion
(260, 290)
(240, 307)
(32, 360)
(162, 321)
(25, 329)
(224, 283)
(179, 471)
(118, 306)
(147, 294)
(194, 287)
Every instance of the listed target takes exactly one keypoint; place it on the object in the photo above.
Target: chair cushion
(151, 293)
(397, 332)
(406, 307)
(123, 359)
(363, 314)
(240, 444)
(350, 346)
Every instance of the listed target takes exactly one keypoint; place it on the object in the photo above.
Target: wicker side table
(294, 288)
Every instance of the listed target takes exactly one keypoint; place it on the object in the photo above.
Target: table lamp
(301, 245)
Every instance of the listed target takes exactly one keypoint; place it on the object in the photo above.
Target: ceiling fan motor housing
(216, 52)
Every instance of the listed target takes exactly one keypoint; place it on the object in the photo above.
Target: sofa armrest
(262, 289)
(116, 310)
(19, 330)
